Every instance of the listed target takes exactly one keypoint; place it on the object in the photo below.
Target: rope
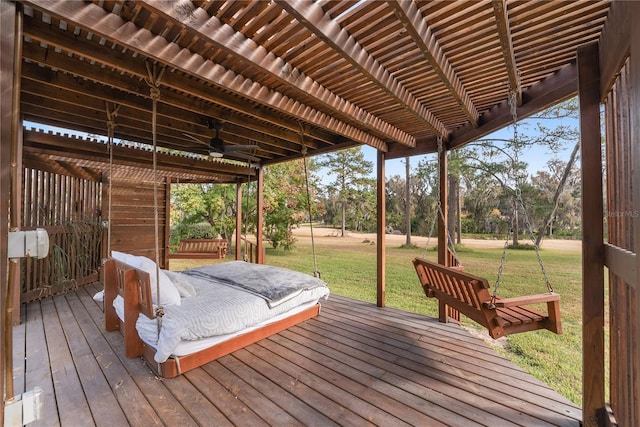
(111, 126)
(316, 273)
(450, 242)
(246, 221)
(154, 92)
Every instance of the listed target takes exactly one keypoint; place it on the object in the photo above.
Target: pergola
(296, 77)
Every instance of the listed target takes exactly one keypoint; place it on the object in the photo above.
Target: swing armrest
(525, 300)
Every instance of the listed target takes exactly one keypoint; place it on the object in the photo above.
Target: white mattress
(186, 347)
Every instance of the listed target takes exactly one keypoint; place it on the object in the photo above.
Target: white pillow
(169, 295)
(182, 282)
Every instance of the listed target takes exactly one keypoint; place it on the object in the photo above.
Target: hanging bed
(208, 311)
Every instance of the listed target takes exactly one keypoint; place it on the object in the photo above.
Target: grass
(350, 270)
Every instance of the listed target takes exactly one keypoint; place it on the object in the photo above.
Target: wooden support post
(239, 221)
(382, 237)
(592, 235)
(7, 46)
(634, 82)
(15, 200)
(443, 214)
(167, 222)
(260, 216)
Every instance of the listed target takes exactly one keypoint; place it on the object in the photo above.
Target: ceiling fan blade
(195, 139)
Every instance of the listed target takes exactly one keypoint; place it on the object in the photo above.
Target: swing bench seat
(470, 295)
(200, 249)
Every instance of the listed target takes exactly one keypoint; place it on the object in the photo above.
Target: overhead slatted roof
(284, 74)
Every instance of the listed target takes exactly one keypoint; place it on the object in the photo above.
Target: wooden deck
(355, 364)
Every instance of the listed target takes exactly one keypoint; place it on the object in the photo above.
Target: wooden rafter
(211, 29)
(124, 64)
(58, 149)
(331, 33)
(504, 32)
(553, 89)
(97, 21)
(413, 21)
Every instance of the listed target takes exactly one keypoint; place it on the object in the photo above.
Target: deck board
(355, 364)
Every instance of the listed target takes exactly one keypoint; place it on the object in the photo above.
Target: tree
(500, 158)
(563, 172)
(351, 178)
(424, 195)
(212, 204)
(285, 200)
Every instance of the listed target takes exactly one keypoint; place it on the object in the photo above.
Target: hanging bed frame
(134, 286)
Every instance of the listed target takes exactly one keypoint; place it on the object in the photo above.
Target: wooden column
(7, 46)
(593, 237)
(381, 254)
(166, 236)
(634, 83)
(15, 201)
(239, 220)
(443, 214)
(260, 216)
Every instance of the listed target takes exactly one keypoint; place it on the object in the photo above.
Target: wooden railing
(73, 261)
(252, 251)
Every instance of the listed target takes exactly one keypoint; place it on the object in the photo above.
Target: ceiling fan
(218, 148)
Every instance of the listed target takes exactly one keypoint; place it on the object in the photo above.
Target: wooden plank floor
(354, 365)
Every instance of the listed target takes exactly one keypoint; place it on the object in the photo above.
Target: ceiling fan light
(214, 153)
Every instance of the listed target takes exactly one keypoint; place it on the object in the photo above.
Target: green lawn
(350, 270)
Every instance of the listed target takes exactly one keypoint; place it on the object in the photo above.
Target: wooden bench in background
(200, 249)
(470, 295)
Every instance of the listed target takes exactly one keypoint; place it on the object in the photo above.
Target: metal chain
(533, 240)
(519, 204)
(503, 260)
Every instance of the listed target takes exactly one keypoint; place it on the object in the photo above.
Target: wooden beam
(381, 251)
(443, 191)
(224, 37)
(622, 263)
(593, 235)
(330, 32)
(614, 45)
(260, 216)
(7, 46)
(501, 14)
(73, 148)
(123, 90)
(634, 108)
(416, 25)
(125, 64)
(239, 221)
(101, 23)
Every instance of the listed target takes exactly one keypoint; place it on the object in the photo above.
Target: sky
(537, 157)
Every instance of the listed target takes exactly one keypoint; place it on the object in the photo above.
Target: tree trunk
(343, 225)
(459, 215)
(515, 224)
(546, 223)
(452, 208)
(407, 201)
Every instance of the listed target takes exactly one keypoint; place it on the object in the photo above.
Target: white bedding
(215, 310)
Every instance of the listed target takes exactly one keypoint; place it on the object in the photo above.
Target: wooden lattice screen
(620, 214)
(70, 210)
